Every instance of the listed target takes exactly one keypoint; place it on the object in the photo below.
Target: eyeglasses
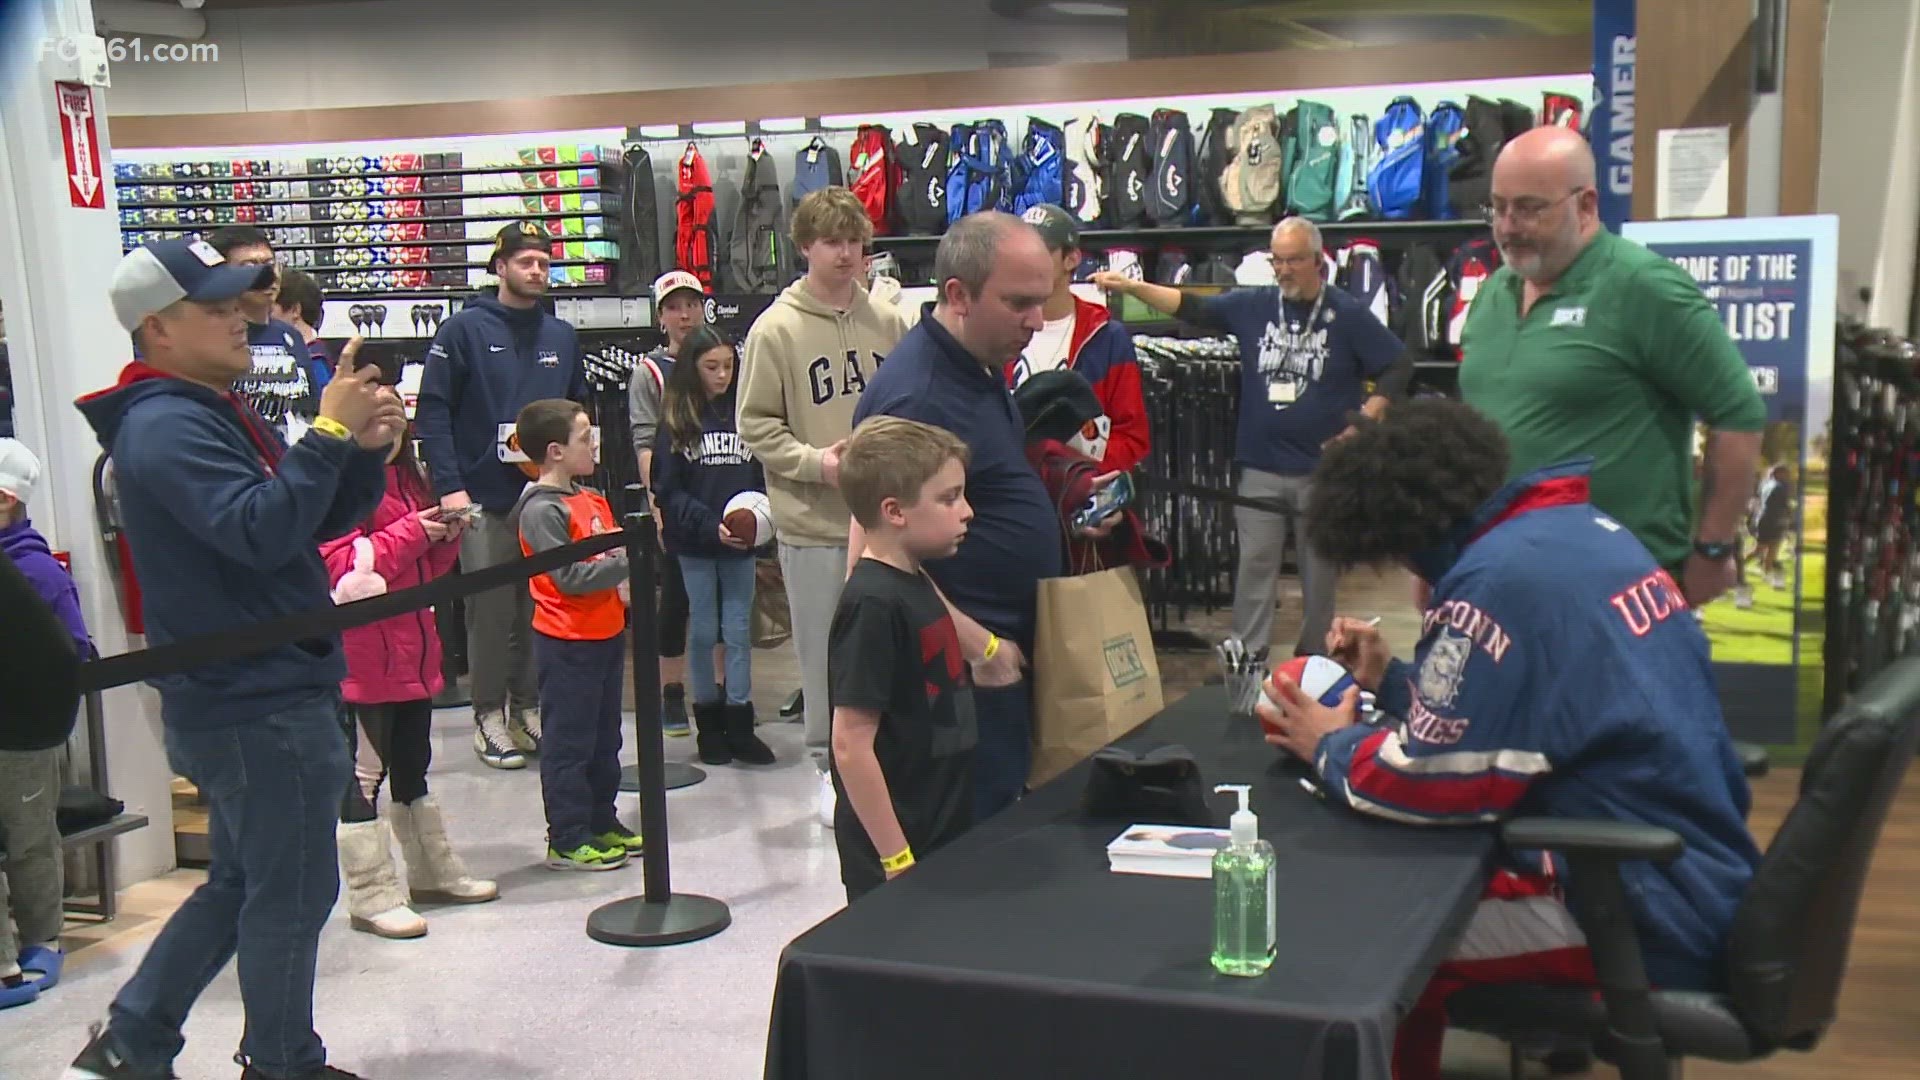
(1523, 212)
(1280, 261)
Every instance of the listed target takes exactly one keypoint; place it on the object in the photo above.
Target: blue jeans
(719, 609)
(1004, 754)
(273, 787)
(580, 684)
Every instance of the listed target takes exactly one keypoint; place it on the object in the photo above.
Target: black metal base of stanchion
(640, 923)
(679, 775)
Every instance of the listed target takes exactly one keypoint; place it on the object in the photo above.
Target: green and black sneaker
(620, 837)
(593, 856)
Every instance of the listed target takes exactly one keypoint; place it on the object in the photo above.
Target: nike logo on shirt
(496, 348)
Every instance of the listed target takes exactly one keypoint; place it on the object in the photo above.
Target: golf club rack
(1873, 518)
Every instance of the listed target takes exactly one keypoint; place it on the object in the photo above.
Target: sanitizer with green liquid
(1243, 895)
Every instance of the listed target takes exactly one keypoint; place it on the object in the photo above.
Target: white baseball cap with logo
(156, 276)
(672, 282)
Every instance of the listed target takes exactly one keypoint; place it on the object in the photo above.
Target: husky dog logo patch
(1440, 672)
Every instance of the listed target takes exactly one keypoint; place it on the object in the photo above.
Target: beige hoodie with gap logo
(802, 372)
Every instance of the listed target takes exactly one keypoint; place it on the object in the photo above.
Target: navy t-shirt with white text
(1298, 383)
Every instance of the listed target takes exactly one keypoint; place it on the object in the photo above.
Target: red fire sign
(84, 184)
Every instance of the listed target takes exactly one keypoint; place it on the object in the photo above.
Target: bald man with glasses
(1311, 359)
(1588, 345)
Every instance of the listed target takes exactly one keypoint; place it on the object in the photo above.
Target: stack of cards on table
(1166, 851)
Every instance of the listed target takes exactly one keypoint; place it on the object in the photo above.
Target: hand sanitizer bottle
(1243, 895)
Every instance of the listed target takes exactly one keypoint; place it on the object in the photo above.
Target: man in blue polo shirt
(1307, 353)
(995, 275)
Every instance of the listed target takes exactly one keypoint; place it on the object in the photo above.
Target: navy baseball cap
(157, 276)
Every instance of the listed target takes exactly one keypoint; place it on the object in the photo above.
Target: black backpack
(923, 180)
(1215, 151)
(1130, 171)
(1170, 204)
(1470, 182)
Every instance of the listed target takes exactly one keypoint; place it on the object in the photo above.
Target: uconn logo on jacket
(719, 448)
(830, 377)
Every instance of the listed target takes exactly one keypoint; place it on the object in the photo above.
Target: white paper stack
(1165, 851)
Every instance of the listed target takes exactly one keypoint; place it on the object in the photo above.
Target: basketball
(749, 516)
(1322, 679)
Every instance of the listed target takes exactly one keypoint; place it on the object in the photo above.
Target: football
(749, 516)
(1323, 679)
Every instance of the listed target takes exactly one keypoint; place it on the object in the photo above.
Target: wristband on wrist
(993, 647)
(327, 425)
(898, 862)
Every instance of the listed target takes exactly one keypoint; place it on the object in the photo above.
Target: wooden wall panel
(1800, 105)
(1278, 72)
(1694, 69)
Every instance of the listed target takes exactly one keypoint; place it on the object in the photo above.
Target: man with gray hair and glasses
(994, 274)
(1307, 355)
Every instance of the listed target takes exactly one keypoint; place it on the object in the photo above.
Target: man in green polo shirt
(1587, 345)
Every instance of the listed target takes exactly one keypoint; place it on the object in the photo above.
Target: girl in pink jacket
(393, 672)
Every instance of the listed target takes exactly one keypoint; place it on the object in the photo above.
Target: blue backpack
(982, 174)
(1446, 125)
(1393, 184)
(1039, 170)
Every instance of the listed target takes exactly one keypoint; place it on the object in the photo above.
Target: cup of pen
(1244, 688)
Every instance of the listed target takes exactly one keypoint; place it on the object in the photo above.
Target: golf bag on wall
(982, 175)
(694, 244)
(1210, 165)
(1310, 161)
(874, 175)
(1445, 126)
(633, 213)
(758, 251)
(1358, 151)
(1040, 170)
(1129, 145)
(1085, 184)
(1394, 183)
(922, 195)
(1170, 203)
(1251, 184)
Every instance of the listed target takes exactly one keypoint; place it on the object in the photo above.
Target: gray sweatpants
(499, 622)
(814, 577)
(32, 880)
(1263, 539)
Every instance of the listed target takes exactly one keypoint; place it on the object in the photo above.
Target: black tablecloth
(1016, 952)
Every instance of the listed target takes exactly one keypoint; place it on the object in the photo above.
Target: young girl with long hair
(393, 673)
(699, 463)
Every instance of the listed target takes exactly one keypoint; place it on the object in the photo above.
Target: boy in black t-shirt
(902, 695)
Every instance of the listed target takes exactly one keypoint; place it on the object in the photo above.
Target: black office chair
(1788, 948)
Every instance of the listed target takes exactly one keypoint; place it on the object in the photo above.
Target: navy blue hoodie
(225, 522)
(484, 366)
(693, 487)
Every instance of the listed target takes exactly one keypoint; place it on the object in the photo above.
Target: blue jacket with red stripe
(1101, 350)
(1560, 672)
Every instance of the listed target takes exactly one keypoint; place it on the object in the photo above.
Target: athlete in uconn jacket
(486, 364)
(1082, 336)
(1534, 690)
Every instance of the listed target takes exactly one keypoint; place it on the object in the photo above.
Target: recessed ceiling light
(1087, 9)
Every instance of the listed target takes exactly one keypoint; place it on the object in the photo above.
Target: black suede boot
(746, 746)
(712, 741)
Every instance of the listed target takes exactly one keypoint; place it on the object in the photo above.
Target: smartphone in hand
(1105, 502)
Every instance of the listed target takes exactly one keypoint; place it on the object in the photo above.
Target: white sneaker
(826, 800)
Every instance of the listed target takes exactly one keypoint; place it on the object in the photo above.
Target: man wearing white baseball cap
(680, 307)
(224, 521)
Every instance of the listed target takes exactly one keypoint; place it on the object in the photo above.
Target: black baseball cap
(516, 237)
(1060, 229)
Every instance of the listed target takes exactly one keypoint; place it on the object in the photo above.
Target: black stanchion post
(659, 916)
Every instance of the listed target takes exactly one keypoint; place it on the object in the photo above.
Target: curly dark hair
(1398, 486)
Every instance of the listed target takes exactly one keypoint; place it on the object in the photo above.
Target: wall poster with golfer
(1773, 281)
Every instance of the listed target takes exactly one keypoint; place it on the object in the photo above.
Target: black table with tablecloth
(1016, 953)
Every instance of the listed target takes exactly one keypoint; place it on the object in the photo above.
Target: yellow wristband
(898, 862)
(993, 647)
(328, 426)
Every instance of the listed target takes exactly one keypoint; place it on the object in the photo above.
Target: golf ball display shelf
(369, 225)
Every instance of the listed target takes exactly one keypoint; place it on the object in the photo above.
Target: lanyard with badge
(1286, 391)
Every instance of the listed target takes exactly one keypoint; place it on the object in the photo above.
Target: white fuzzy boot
(435, 873)
(375, 903)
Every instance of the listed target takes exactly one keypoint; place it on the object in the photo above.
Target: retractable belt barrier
(1210, 494)
(131, 667)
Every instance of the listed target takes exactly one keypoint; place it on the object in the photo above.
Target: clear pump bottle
(1243, 895)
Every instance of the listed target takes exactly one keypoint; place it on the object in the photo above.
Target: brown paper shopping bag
(772, 621)
(1094, 671)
